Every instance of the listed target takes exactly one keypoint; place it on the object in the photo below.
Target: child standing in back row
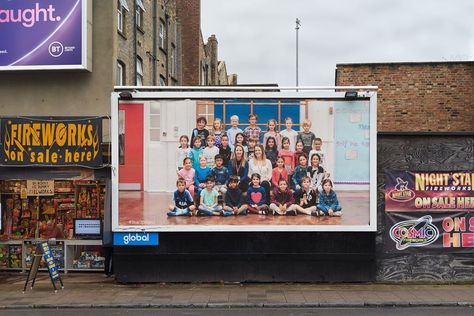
(289, 133)
(306, 136)
(217, 131)
(252, 131)
(272, 131)
(200, 131)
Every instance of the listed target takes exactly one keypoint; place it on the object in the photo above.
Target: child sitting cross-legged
(257, 197)
(234, 201)
(184, 204)
(209, 205)
(328, 202)
(306, 198)
(282, 200)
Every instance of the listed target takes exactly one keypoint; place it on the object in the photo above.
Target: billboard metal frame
(132, 94)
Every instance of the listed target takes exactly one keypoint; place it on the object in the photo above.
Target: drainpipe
(167, 21)
(155, 13)
(135, 39)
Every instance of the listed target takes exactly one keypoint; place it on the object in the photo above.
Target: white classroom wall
(177, 118)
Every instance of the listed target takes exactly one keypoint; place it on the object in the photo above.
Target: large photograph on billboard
(49, 34)
(245, 164)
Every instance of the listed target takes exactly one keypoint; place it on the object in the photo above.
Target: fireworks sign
(430, 210)
(51, 142)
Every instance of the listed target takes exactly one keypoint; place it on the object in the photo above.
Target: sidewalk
(86, 290)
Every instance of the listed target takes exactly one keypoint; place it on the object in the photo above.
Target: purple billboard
(46, 34)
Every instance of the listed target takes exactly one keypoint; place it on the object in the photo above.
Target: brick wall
(189, 17)
(415, 97)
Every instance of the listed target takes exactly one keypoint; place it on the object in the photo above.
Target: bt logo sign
(56, 49)
(136, 239)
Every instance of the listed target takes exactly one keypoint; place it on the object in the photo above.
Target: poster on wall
(220, 164)
(51, 142)
(48, 34)
(407, 191)
(445, 231)
(429, 210)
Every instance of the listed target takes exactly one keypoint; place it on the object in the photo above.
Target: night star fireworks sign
(431, 210)
(56, 142)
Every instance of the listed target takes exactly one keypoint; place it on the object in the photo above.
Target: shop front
(52, 187)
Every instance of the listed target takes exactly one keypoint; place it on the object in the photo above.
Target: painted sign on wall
(50, 34)
(51, 142)
(429, 191)
(429, 210)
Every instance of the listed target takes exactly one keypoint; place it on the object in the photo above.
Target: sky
(257, 38)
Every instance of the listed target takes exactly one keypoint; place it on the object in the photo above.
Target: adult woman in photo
(239, 166)
(259, 164)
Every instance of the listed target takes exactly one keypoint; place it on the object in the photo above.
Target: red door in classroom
(131, 146)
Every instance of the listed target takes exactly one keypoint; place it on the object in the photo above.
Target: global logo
(414, 233)
(401, 193)
(135, 238)
(56, 49)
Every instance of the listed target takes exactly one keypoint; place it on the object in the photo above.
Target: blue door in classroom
(265, 110)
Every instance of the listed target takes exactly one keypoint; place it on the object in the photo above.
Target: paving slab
(84, 290)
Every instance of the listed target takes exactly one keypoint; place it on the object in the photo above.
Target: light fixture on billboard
(351, 95)
(126, 95)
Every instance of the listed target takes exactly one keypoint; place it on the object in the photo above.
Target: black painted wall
(250, 257)
(421, 152)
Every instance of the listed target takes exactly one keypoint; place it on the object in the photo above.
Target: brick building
(200, 64)
(417, 97)
(154, 42)
(425, 122)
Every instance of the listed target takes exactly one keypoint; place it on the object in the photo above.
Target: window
(120, 77)
(162, 35)
(140, 8)
(206, 109)
(155, 122)
(122, 7)
(139, 72)
(173, 61)
(162, 81)
(121, 128)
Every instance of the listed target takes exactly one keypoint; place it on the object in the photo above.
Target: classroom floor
(138, 208)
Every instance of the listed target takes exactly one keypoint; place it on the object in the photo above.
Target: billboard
(50, 142)
(327, 146)
(429, 211)
(50, 34)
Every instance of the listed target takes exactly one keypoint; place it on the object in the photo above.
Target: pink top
(289, 158)
(277, 174)
(275, 135)
(187, 175)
